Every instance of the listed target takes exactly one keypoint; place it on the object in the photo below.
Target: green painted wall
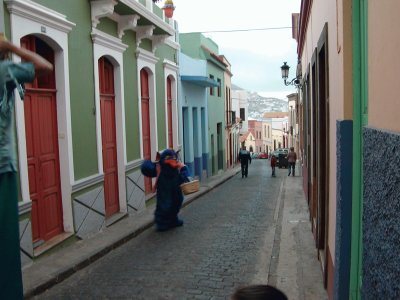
(216, 111)
(131, 98)
(108, 26)
(210, 44)
(83, 119)
(360, 108)
(191, 45)
(146, 45)
(158, 11)
(82, 96)
(6, 21)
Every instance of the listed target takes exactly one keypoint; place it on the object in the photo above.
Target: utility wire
(240, 30)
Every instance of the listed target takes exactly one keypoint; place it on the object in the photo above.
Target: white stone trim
(149, 15)
(87, 182)
(28, 18)
(39, 14)
(100, 9)
(102, 46)
(143, 32)
(131, 165)
(24, 207)
(157, 40)
(126, 22)
(170, 42)
(146, 57)
(108, 41)
(171, 69)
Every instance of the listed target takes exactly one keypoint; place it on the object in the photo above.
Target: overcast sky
(255, 56)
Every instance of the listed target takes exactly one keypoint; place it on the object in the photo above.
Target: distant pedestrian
(292, 157)
(12, 76)
(273, 164)
(258, 292)
(245, 159)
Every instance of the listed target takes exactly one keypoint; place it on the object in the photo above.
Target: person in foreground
(12, 76)
(169, 193)
(258, 292)
(170, 173)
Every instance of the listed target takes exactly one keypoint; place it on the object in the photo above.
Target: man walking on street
(244, 158)
(292, 157)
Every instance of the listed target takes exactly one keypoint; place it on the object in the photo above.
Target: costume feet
(179, 223)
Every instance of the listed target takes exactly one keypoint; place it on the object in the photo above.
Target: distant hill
(258, 105)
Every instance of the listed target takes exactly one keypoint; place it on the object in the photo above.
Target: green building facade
(115, 70)
(198, 46)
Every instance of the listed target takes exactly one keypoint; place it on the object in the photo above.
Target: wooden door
(108, 134)
(146, 135)
(42, 149)
(169, 113)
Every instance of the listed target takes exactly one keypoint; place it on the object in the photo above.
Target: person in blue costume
(169, 194)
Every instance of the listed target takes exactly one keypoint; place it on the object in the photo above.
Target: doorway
(146, 134)
(41, 131)
(108, 134)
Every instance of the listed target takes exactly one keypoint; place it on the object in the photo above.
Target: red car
(263, 155)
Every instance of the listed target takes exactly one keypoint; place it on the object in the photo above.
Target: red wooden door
(42, 149)
(169, 113)
(108, 134)
(145, 101)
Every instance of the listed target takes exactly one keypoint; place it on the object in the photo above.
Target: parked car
(281, 157)
(283, 162)
(263, 155)
(254, 155)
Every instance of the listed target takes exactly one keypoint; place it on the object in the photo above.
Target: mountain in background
(258, 105)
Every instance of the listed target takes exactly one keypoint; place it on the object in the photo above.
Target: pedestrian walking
(12, 76)
(292, 157)
(245, 159)
(273, 164)
(258, 292)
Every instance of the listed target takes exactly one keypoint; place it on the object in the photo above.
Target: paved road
(227, 241)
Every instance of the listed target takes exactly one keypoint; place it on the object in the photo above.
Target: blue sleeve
(22, 72)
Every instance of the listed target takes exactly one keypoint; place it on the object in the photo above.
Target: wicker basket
(190, 187)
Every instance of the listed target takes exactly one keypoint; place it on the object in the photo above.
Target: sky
(255, 56)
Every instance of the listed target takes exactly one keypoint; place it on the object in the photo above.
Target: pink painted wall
(255, 127)
(337, 15)
(383, 64)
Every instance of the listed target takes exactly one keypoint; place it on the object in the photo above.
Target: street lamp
(285, 74)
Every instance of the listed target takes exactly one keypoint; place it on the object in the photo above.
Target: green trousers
(10, 264)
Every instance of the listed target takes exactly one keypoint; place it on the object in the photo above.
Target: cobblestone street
(227, 241)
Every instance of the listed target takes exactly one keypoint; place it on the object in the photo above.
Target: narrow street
(231, 237)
